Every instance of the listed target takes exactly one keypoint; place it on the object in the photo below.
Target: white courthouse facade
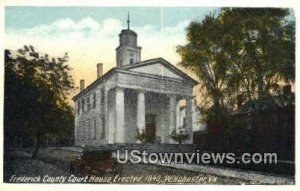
(136, 97)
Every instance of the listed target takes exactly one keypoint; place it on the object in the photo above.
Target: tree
(240, 51)
(36, 90)
(204, 55)
(261, 46)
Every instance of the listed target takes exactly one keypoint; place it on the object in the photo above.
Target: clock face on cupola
(128, 52)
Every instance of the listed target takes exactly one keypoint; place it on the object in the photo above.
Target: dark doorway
(150, 128)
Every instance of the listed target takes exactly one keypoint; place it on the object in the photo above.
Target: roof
(163, 62)
(99, 80)
(128, 32)
(280, 101)
(139, 64)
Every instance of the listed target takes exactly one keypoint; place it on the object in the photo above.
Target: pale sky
(90, 34)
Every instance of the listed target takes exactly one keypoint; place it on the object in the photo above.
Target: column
(110, 121)
(172, 115)
(119, 118)
(140, 118)
(177, 115)
(189, 119)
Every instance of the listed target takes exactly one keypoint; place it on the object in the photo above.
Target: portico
(156, 99)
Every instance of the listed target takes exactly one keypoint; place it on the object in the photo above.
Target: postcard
(148, 95)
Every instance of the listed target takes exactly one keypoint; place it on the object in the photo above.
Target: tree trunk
(36, 146)
(260, 87)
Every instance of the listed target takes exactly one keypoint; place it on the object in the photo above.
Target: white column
(140, 118)
(189, 119)
(177, 115)
(172, 115)
(111, 101)
(119, 118)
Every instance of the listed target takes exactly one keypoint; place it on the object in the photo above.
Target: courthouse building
(133, 100)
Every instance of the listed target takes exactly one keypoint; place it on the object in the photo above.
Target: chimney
(239, 100)
(99, 70)
(81, 85)
(287, 89)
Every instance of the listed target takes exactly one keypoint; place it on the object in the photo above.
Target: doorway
(150, 128)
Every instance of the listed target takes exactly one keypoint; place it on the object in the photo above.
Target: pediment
(156, 69)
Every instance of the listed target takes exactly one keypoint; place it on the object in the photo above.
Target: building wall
(125, 53)
(158, 104)
(89, 123)
(130, 115)
(111, 116)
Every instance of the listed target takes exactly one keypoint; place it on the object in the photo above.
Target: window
(82, 105)
(88, 103)
(94, 100)
(89, 130)
(131, 60)
(102, 95)
(103, 126)
(79, 130)
(86, 132)
(78, 107)
(95, 129)
(83, 130)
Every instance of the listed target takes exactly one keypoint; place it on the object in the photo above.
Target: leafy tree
(240, 51)
(204, 55)
(260, 44)
(36, 90)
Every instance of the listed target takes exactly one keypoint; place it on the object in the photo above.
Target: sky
(90, 34)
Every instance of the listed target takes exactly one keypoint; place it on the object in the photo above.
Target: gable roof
(156, 69)
(163, 62)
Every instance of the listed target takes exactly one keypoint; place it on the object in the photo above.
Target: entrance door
(150, 128)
